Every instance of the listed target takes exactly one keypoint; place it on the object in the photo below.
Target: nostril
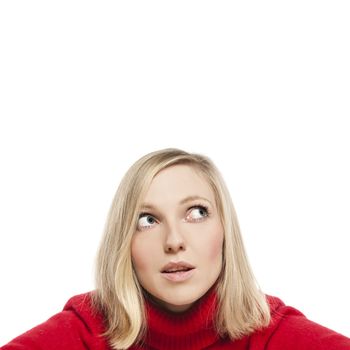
(174, 247)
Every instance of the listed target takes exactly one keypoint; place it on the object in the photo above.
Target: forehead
(177, 182)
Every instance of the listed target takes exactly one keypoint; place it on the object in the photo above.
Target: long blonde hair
(242, 307)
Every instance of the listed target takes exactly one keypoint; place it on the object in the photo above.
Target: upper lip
(176, 266)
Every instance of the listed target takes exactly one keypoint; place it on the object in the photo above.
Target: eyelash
(202, 207)
(196, 206)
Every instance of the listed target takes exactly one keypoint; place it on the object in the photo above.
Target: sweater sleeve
(74, 328)
(295, 331)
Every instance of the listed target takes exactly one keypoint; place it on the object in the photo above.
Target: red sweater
(77, 327)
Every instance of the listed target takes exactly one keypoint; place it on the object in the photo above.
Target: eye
(198, 212)
(145, 221)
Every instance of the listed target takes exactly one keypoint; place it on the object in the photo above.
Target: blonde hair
(242, 307)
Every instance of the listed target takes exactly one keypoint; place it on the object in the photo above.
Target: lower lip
(178, 276)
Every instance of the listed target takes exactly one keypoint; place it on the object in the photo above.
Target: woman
(172, 273)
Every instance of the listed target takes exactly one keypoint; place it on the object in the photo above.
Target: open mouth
(178, 274)
(178, 270)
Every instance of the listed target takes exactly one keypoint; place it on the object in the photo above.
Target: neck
(191, 329)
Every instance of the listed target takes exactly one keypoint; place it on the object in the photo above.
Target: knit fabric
(193, 329)
(78, 327)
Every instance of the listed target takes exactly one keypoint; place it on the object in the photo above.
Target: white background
(261, 87)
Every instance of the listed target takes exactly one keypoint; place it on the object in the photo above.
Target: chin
(181, 301)
(176, 305)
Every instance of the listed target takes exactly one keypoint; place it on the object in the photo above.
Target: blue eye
(198, 212)
(145, 221)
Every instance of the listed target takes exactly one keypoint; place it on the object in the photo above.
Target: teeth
(178, 270)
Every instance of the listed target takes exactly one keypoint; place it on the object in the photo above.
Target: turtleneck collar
(192, 329)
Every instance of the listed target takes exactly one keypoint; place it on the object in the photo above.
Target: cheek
(215, 248)
(138, 255)
(209, 248)
(215, 245)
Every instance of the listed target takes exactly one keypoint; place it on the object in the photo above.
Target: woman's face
(177, 248)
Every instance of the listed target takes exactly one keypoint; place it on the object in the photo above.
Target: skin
(173, 231)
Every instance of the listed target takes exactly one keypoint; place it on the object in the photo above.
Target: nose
(174, 241)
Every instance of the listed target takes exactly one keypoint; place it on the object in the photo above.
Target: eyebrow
(183, 201)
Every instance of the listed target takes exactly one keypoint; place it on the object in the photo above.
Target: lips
(178, 272)
(179, 266)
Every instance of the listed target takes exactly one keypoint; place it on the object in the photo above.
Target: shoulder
(81, 306)
(290, 329)
(78, 326)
